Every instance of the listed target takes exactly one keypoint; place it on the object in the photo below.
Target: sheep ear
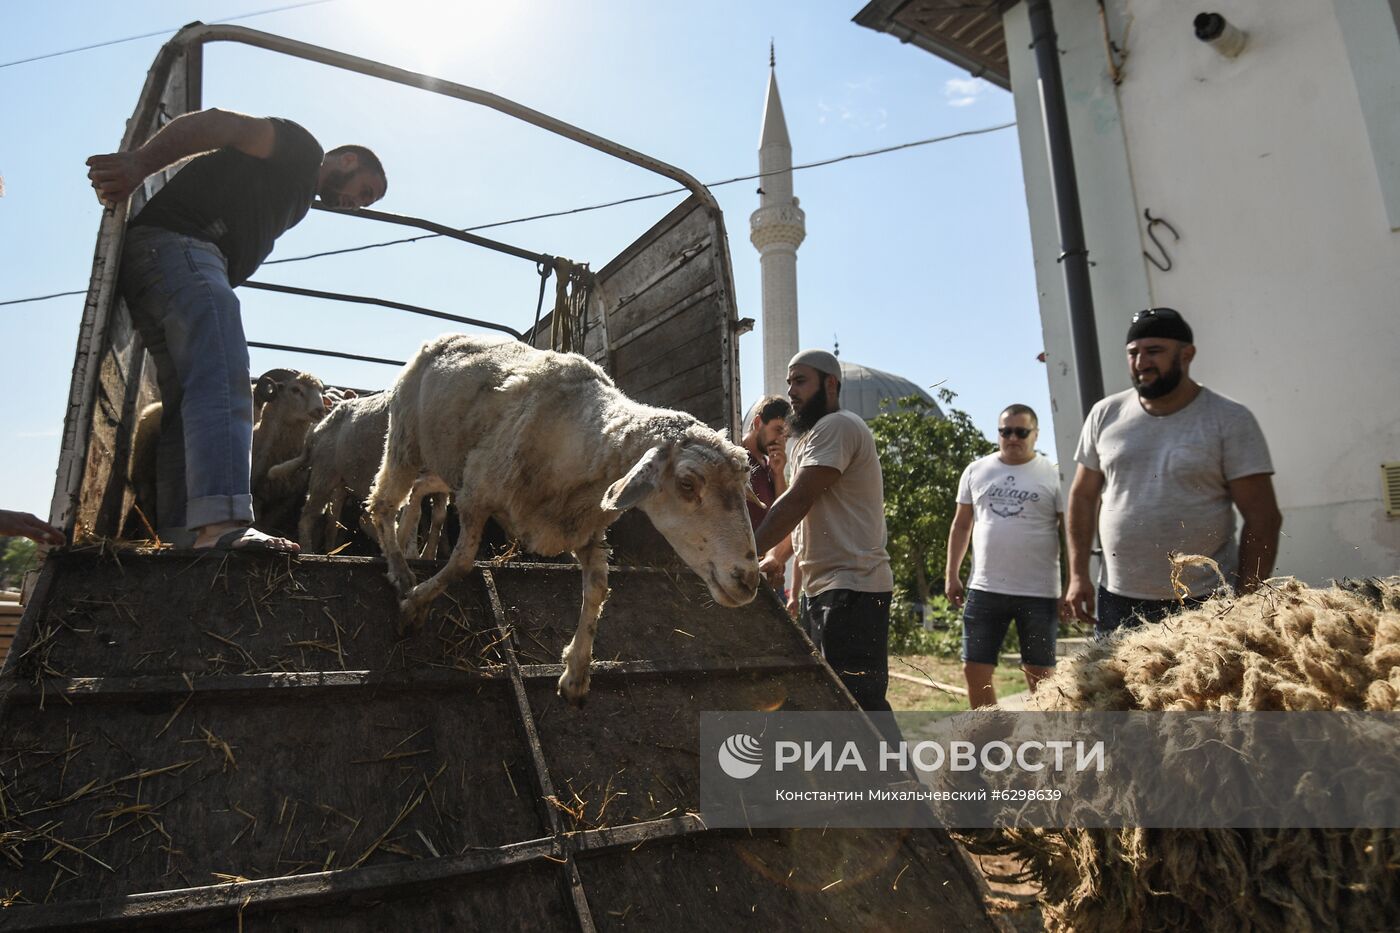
(266, 389)
(641, 481)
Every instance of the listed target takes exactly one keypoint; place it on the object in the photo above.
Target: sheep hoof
(403, 586)
(574, 690)
(412, 614)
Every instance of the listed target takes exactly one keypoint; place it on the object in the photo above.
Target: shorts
(987, 616)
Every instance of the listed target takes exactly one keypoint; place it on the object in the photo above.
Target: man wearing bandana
(835, 510)
(1162, 468)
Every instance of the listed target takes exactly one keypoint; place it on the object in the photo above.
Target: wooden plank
(695, 327)
(665, 315)
(682, 389)
(690, 361)
(251, 686)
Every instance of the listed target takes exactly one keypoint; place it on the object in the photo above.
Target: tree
(16, 556)
(922, 457)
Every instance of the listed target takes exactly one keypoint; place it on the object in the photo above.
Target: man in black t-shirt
(205, 232)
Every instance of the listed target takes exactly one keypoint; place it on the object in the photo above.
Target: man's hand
(794, 604)
(22, 524)
(115, 175)
(1079, 599)
(777, 457)
(772, 568)
(953, 589)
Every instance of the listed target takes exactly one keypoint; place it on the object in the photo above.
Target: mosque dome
(863, 388)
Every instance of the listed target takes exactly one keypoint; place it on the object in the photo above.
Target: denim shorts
(987, 616)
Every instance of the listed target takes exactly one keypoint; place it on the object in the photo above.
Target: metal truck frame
(660, 318)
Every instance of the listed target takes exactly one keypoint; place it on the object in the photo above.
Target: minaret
(776, 229)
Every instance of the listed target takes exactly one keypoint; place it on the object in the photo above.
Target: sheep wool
(1285, 647)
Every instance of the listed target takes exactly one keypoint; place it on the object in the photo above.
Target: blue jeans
(1115, 612)
(987, 616)
(176, 288)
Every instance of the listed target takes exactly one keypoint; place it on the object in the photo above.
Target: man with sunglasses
(1009, 508)
(1170, 461)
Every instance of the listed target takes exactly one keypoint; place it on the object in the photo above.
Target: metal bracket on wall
(1166, 257)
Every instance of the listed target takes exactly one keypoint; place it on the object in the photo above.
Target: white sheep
(549, 447)
(342, 454)
(287, 407)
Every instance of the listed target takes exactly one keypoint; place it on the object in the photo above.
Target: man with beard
(764, 442)
(835, 511)
(201, 235)
(1171, 461)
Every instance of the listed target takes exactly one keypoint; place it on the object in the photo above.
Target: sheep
(299, 404)
(289, 407)
(546, 444)
(342, 453)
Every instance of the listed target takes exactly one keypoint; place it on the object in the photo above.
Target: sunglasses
(1166, 314)
(1022, 433)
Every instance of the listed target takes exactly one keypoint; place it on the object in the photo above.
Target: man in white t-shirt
(835, 510)
(1162, 467)
(1010, 508)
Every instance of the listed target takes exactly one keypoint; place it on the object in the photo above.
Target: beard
(1163, 384)
(330, 189)
(804, 416)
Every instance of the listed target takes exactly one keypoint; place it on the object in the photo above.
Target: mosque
(776, 230)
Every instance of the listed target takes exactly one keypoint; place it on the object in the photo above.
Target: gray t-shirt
(841, 542)
(1165, 488)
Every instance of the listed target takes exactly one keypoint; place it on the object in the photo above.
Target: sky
(918, 262)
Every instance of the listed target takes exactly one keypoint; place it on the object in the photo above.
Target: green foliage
(17, 555)
(922, 456)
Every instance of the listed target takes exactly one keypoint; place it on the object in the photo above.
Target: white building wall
(1287, 267)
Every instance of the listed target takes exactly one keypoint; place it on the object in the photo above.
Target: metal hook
(1152, 222)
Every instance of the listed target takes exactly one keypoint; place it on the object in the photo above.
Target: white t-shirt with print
(1016, 529)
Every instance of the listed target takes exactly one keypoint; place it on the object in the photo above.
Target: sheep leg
(593, 559)
(330, 518)
(430, 547)
(408, 523)
(391, 487)
(319, 493)
(413, 609)
(367, 526)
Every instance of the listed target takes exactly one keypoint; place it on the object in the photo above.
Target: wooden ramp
(243, 742)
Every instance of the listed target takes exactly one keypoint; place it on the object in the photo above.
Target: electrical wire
(160, 32)
(658, 194)
(597, 207)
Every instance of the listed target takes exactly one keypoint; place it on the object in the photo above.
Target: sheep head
(295, 398)
(693, 490)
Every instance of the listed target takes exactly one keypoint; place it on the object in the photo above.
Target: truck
(195, 740)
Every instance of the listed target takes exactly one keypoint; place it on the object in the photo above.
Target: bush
(17, 556)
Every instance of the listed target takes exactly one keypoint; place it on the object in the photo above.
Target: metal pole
(439, 229)
(381, 302)
(1074, 256)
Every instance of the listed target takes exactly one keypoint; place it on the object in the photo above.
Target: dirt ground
(1013, 900)
(906, 696)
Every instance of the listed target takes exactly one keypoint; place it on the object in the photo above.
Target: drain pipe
(1065, 189)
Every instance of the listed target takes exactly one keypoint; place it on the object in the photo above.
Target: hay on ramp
(1285, 647)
